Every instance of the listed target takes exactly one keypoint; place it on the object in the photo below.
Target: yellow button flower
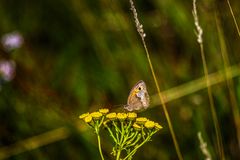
(136, 126)
(149, 124)
(104, 111)
(141, 120)
(111, 116)
(121, 116)
(82, 116)
(132, 115)
(96, 115)
(158, 126)
(88, 119)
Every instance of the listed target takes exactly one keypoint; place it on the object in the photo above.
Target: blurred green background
(81, 55)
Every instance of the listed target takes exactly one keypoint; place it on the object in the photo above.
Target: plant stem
(99, 146)
(138, 146)
(112, 135)
(122, 132)
(140, 30)
(118, 154)
(99, 140)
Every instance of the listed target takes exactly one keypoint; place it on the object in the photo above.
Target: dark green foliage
(81, 55)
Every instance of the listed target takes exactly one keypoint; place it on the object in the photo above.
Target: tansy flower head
(149, 124)
(121, 116)
(141, 120)
(132, 115)
(111, 116)
(104, 111)
(158, 126)
(88, 119)
(136, 126)
(96, 115)
(82, 116)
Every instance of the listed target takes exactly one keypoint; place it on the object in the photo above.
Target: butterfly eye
(139, 88)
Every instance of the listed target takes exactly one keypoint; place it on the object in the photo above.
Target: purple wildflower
(12, 40)
(7, 69)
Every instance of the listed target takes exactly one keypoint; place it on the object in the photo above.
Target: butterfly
(138, 98)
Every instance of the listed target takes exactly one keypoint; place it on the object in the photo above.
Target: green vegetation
(74, 57)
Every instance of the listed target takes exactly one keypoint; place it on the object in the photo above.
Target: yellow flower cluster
(136, 126)
(125, 128)
(132, 115)
(111, 116)
(96, 115)
(142, 121)
(88, 117)
(104, 111)
(121, 116)
(106, 116)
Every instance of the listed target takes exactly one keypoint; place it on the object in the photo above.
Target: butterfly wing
(138, 98)
(134, 103)
(144, 97)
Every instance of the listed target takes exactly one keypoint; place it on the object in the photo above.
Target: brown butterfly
(138, 98)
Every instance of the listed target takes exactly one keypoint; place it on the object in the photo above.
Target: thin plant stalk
(180, 157)
(140, 30)
(98, 138)
(118, 154)
(234, 19)
(209, 90)
(212, 106)
(99, 146)
(230, 85)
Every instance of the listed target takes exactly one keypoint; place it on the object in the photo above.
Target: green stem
(112, 135)
(129, 125)
(99, 146)
(99, 125)
(128, 138)
(133, 143)
(143, 133)
(116, 127)
(122, 132)
(118, 154)
(99, 140)
(138, 146)
(117, 131)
